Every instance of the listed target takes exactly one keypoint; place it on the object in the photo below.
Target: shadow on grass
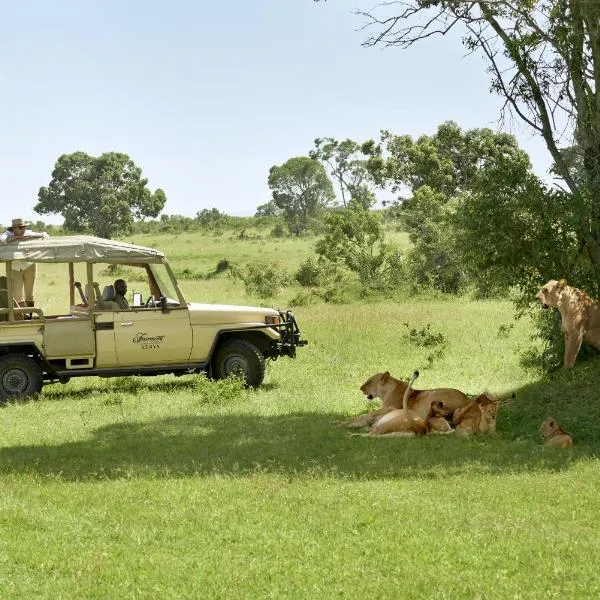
(292, 444)
(309, 443)
(56, 392)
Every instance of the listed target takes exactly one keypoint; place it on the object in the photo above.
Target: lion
(580, 316)
(479, 416)
(554, 435)
(400, 422)
(391, 392)
(437, 419)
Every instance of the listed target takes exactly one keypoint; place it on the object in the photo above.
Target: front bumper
(290, 336)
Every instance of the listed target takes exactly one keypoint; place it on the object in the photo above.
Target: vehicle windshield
(165, 284)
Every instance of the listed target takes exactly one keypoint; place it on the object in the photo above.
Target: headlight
(273, 320)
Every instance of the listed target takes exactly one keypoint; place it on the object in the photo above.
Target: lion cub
(437, 419)
(479, 416)
(554, 435)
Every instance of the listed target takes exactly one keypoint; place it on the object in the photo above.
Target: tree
(543, 57)
(354, 238)
(209, 217)
(442, 172)
(102, 194)
(269, 209)
(301, 189)
(348, 168)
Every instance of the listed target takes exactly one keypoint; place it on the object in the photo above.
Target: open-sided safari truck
(159, 333)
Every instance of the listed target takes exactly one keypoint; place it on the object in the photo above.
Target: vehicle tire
(20, 377)
(239, 358)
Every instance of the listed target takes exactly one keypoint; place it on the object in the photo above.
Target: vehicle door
(151, 336)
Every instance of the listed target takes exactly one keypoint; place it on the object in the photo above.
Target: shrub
(222, 265)
(279, 231)
(309, 273)
(264, 279)
(426, 338)
(222, 391)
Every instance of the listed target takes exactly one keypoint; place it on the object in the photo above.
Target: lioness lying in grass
(391, 392)
(554, 435)
(400, 422)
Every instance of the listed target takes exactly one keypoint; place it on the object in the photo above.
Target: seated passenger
(120, 293)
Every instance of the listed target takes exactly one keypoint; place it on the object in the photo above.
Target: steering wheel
(150, 303)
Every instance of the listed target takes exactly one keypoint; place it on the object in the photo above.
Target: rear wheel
(20, 377)
(239, 358)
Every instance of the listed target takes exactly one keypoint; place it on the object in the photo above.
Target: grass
(183, 488)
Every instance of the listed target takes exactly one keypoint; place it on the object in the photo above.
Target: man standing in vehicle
(22, 273)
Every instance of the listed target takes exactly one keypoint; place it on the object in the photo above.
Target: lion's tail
(407, 394)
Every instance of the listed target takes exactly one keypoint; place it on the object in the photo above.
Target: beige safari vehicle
(160, 332)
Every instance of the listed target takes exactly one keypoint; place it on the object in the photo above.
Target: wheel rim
(236, 365)
(15, 381)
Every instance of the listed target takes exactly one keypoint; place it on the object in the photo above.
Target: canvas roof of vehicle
(79, 248)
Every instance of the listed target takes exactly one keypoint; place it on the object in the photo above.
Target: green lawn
(182, 488)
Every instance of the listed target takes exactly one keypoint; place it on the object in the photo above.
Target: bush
(309, 273)
(222, 391)
(279, 231)
(222, 265)
(263, 279)
(426, 338)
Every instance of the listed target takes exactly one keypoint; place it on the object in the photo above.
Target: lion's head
(548, 428)
(439, 409)
(488, 415)
(377, 385)
(549, 294)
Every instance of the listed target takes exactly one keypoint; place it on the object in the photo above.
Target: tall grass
(184, 488)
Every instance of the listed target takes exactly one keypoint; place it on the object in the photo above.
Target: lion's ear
(562, 282)
(386, 376)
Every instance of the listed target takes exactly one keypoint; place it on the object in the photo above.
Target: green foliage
(347, 167)
(264, 279)
(270, 209)
(315, 273)
(354, 238)
(309, 273)
(212, 218)
(301, 190)
(431, 261)
(331, 294)
(541, 60)
(444, 171)
(425, 337)
(220, 392)
(103, 195)
(278, 231)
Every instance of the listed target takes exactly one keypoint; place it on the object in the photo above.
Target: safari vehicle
(93, 336)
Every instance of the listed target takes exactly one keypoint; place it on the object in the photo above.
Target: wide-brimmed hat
(19, 223)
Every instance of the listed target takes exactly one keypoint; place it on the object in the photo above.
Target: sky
(206, 97)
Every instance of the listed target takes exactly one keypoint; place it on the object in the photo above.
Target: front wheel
(239, 358)
(20, 376)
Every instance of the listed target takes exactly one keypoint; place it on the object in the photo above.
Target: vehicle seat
(108, 293)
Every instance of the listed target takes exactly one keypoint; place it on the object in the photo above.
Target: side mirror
(137, 299)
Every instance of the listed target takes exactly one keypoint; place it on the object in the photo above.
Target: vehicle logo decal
(148, 342)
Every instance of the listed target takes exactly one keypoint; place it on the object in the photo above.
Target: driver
(120, 293)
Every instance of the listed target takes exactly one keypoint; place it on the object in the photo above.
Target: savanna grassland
(183, 488)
